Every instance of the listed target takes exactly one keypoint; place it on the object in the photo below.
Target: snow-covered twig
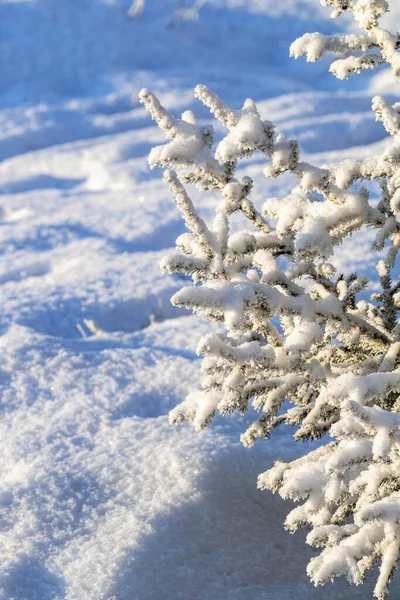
(295, 329)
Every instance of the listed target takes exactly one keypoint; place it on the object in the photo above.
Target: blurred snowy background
(100, 499)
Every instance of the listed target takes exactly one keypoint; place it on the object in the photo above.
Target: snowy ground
(100, 499)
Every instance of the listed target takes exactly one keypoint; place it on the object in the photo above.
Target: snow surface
(100, 499)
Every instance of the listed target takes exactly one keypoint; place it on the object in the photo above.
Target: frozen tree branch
(295, 329)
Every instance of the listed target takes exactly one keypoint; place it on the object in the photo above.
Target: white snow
(100, 498)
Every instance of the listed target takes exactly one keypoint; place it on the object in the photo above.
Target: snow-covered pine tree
(296, 329)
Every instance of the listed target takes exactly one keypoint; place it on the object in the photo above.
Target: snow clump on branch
(295, 328)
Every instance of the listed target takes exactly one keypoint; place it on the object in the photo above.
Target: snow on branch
(367, 13)
(300, 345)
